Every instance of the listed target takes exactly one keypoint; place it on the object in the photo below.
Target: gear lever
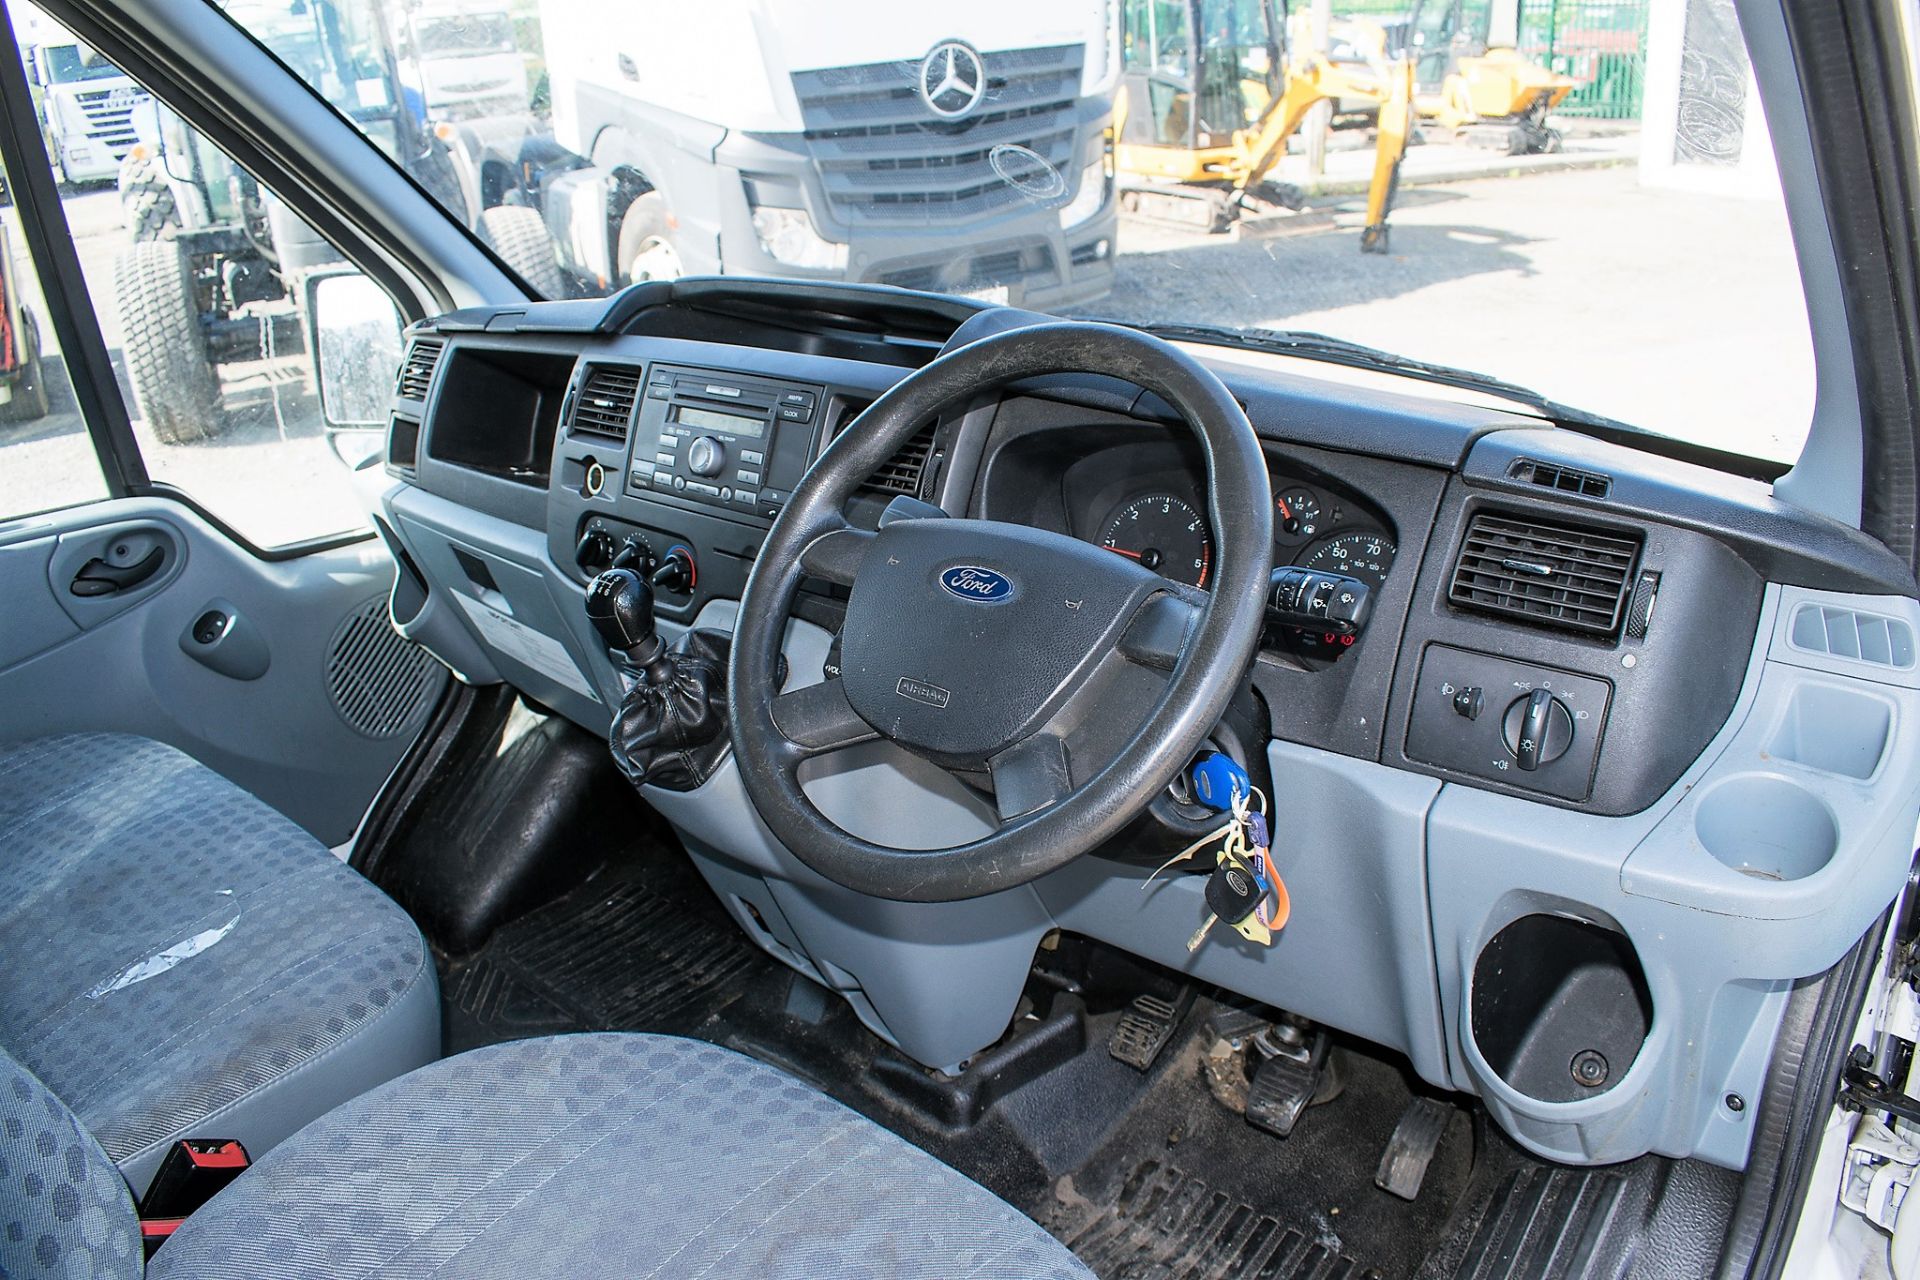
(620, 607)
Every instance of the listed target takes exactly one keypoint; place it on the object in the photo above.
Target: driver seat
(580, 1155)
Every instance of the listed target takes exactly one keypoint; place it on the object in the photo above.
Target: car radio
(720, 438)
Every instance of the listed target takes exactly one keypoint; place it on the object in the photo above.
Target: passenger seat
(180, 960)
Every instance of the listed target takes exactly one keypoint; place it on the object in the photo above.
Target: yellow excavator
(1482, 93)
(1213, 90)
(1210, 97)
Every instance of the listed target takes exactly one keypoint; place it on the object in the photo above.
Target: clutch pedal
(1146, 1027)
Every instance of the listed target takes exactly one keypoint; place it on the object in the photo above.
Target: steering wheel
(995, 650)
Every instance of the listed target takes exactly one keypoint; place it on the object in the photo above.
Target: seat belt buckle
(191, 1173)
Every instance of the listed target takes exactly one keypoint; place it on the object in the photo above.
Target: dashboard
(1145, 499)
(1635, 719)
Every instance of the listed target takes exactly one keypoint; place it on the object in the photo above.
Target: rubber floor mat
(1185, 1189)
(1169, 1225)
(627, 951)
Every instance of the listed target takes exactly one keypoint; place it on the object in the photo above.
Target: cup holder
(1767, 827)
(1560, 1007)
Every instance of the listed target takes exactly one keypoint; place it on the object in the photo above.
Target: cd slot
(723, 395)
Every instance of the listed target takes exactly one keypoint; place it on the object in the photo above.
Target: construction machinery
(209, 241)
(1482, 91)
(1214, 89)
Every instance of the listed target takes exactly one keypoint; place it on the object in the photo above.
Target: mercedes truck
(964, 149)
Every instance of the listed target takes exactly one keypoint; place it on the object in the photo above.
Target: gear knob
(620, 607)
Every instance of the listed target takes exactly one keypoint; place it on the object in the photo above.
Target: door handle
(98, 578)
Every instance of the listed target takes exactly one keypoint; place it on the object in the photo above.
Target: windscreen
(1576, 196)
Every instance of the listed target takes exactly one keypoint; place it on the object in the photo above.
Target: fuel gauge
(1296, 517)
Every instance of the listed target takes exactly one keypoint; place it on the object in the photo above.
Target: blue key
(1218, 782)
(1257, 830)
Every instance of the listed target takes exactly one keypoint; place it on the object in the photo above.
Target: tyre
(646, 248)
(29, 402)
(146, 200)
(519, 236)
(166, 354)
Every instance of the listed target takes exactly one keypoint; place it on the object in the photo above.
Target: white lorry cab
(86, 103)
(458, 60)
(963, 149)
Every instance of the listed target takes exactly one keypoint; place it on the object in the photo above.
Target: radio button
(694, 486)
(793, 413)
(706, 456)
(804, 399)
(659, 392)
(748, 477)
(752, 457)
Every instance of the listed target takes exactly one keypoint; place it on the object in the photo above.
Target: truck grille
(109, 115)
(885, 159)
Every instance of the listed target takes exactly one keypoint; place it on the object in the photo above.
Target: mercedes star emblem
(953, 79)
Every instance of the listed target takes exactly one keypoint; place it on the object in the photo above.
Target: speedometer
(1366, 556)
(1164, 533)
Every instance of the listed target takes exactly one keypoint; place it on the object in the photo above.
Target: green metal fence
(1599, 44)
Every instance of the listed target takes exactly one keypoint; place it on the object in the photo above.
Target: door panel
(282, 675)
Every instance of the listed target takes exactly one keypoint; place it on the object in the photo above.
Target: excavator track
(1217, 211)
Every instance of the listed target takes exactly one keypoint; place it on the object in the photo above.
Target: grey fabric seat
(588, 1155)
(180, 960)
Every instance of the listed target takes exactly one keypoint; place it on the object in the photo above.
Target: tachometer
(1165, 534)
(1366, 556)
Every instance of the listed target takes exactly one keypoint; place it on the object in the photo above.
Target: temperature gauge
(1296, 517)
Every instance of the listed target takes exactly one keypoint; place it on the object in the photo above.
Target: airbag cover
(962, 636)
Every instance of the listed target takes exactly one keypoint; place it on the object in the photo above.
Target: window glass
(1590, 209)
(199, 278)
(47, 459)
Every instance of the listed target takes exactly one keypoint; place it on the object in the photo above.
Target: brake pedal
(1286, 1084)
(1145, 1028)
(1411, 1149)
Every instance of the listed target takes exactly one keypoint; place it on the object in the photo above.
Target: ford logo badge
(971, 582)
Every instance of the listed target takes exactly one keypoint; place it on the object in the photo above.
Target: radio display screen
(712, 420)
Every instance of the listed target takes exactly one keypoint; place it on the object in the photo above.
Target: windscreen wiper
(1320, 346)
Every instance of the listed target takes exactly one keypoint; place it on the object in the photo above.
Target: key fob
(1232, 893)
(1217, 781)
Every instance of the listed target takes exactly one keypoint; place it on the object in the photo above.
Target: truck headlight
(1089, 199)
(788, 237)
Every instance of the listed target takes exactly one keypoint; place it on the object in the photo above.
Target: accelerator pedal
(1410, 1151)
(1146, 1027)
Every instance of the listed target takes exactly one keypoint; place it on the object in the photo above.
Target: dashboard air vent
(904, 472)
(1850, 633)
(1551, 574)
(1551, 475)
(605, 406)
(416, 372)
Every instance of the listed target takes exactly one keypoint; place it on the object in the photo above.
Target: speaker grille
(378, 679)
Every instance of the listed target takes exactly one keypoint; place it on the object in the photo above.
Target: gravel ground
(1672, 310)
